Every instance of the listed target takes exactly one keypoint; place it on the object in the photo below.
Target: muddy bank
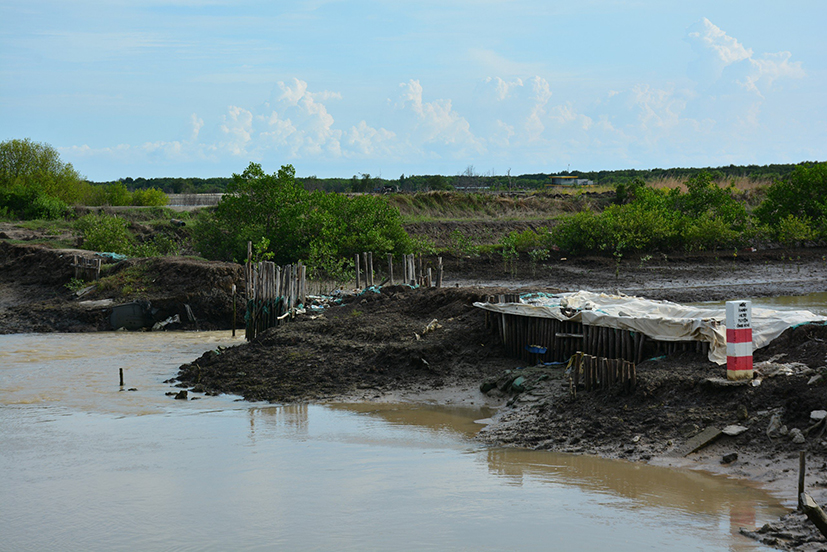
(35, 294)
(397, 340)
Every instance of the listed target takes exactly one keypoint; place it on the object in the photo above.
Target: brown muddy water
(813, 302)
(86, 466)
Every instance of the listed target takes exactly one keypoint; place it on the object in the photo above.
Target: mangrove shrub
(317, 227)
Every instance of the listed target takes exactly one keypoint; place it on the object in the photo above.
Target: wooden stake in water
(802, 465)
(121, 372)
(234, 310)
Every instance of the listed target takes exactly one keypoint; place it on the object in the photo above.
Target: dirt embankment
(35, 297)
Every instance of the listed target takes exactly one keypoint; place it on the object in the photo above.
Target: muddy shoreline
(433, 346)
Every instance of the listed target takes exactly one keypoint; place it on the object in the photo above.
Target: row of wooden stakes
(602, 373)
(274, 293)
(413, 272)
(563, 338)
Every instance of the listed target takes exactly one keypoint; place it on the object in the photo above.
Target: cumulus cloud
(726, 48)
(436, 122)
(237, 126)
(369, 141)
(723, 60)
(499, 89)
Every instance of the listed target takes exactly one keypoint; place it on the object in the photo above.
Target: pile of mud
(397, 339)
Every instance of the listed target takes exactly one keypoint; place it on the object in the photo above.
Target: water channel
(813, 302)
(87, 466)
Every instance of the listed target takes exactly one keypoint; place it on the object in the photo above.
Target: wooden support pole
(412, 269)
(120, 371)
(390, 268)
(357, 265)
(405, 278)
(802, 468)
(370, 269)
(439, 272)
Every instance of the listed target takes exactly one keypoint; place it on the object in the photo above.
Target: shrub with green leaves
(802, 194)
(792, 231)
(705, 217)
(31, 202)
(149, 197)
(105, 233)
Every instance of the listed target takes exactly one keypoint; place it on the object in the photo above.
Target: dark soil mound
(376, 341)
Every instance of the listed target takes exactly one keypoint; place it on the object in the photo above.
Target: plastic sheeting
(660, 320)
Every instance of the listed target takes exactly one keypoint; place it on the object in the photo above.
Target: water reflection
(685, 490)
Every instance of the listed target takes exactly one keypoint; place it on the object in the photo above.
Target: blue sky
(337, 88)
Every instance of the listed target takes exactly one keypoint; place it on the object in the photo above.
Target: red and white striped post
(738, 340)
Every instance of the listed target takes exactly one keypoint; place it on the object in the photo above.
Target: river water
(813, 302)
(87, 466)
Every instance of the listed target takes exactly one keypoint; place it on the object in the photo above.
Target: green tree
(318, 227)
(32, 165)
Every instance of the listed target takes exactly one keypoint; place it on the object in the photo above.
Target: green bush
(31, 202)
(646, 219)
(803, 194)
(105, 233)
(35, 166)
(792, 231)
(149, 197)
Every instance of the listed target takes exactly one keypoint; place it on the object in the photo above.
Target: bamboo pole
(356, 264)
(390, 268)
(370, 269)
(439, 271)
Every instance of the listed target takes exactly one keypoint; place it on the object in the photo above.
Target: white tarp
(661, 320)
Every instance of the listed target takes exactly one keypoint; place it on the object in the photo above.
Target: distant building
(569, 181)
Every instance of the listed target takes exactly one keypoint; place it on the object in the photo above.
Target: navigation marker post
(738, 340)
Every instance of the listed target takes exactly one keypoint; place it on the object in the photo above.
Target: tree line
(469, 179)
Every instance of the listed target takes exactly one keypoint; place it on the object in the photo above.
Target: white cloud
(541, 95)
(197, 125)
(437, 122)
(501, 89)
(726, 48)
(725, 62)
(368, 141)
(238, 127)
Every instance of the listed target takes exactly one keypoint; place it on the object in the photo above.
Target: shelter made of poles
(553, 327)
